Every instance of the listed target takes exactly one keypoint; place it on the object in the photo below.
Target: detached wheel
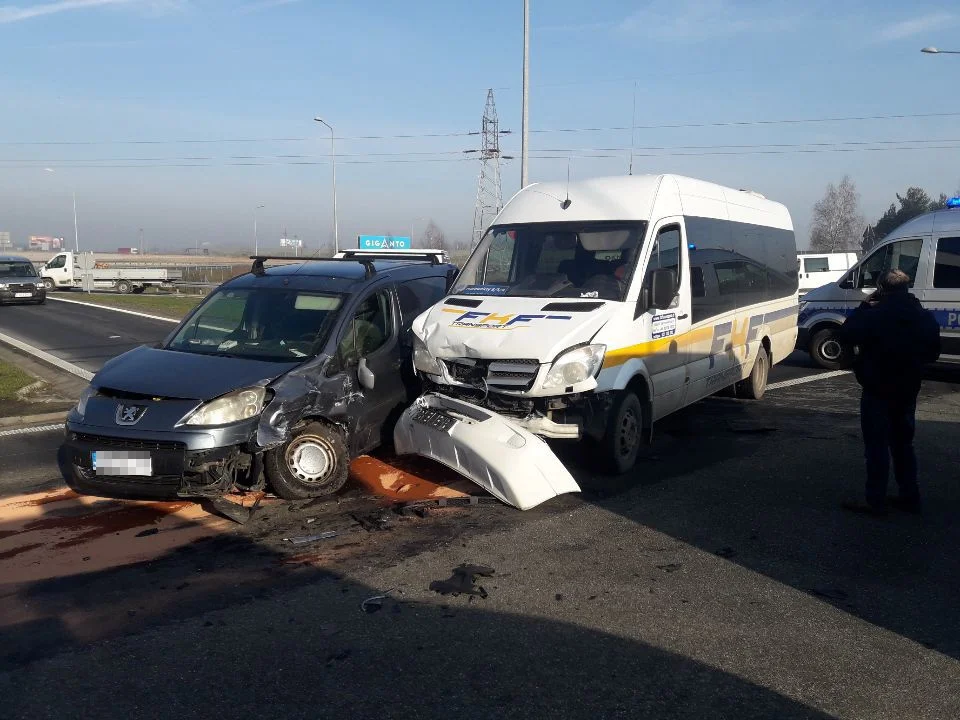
(124, 287)
(828, 351)
(754, 386)
(621, 442)
(312, 463)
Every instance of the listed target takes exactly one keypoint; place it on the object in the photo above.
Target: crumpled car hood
(510, 327)
(166, 373)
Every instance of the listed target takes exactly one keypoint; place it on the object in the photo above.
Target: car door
(415, 297)
(667, 364)
(369, 340)
(942, 297)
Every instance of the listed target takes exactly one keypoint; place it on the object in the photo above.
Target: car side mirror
(365, 375)
(663, 288)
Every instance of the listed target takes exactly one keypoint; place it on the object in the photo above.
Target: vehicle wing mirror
(663, 288)
(365, 375)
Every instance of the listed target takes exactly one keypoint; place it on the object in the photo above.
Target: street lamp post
(76, 232)
(524, 116)
(256, 242)
(333, 159)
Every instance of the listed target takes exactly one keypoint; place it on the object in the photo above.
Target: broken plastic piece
(372, 604)
(462, 581)
(304, 539)
(505, 459)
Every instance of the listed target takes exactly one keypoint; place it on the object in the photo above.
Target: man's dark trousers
(888, 426)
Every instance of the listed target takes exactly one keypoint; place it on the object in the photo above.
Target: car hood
(170, 374)
(511, 327)
(19, 279)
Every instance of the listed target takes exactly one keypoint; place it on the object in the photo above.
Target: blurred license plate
(122, 462)
(23, 294)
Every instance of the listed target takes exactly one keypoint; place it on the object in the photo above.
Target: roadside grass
(169, 306)
(12, 379)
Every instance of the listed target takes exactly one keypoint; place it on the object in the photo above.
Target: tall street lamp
(333, 157)
(524, 116)
(76, 232)
(256, 242)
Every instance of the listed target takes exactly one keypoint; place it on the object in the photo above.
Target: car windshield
(278, 325)
(16, 269)
(580, 260)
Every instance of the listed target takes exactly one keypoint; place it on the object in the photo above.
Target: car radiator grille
(103, 442)
(515, 375)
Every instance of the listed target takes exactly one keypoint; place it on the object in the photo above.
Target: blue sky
(107, 72)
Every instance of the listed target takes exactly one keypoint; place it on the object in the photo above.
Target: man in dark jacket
(894, 339)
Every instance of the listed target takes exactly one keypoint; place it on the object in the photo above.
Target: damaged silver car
(280, 376)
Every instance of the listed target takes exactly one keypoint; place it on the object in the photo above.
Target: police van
(927, 248)
(591, 310)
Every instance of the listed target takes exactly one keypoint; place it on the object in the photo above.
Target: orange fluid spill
(410, 479)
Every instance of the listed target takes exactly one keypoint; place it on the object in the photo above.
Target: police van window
(666, 253)
(415, 296)
(946, 273)
(901, 255)
(816, 264)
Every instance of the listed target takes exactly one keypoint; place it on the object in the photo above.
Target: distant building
(5, 243)
(44, 243)
(127, 251)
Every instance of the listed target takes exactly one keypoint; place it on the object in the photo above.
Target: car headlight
(88, 392)
(3, 286)
(575, 366)
(423, 360)
(227, 409)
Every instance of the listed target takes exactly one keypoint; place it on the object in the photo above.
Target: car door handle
(682, 317)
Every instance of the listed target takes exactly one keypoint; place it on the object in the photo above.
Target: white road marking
(31, 430)
(47, 357)
(114, 309)
(113, 337)
(808, 379)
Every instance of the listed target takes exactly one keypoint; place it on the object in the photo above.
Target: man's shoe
(905, 505)
(864, 509)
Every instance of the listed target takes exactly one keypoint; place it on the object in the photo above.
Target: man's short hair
(895, 281)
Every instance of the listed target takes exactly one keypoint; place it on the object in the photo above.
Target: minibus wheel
(753, 386)
(624, 434)
(312, 463)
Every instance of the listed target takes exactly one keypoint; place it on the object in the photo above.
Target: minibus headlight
(423, 360)
(231, 408)
(575, 366)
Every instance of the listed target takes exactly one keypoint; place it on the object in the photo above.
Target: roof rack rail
(434, 256)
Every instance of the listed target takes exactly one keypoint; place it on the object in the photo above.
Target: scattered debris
(308, 521)
(375, 603)
(670, 567)
(145, 533)
(421, 508)
(725, 552)
(230, 510)
(463, 580)
(304, 539)
(373, 521)
(558, 597)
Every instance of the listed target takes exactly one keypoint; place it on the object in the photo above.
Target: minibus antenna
(633, 125)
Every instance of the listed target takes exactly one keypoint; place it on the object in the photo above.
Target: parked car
(19, 281)
(288, 371)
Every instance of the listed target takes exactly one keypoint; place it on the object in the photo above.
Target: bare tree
(837, 223)
(432, 236)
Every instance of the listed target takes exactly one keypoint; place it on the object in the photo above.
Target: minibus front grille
(509, 375)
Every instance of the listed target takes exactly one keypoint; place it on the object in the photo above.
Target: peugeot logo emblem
(129, 414)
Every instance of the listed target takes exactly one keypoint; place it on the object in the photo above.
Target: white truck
(817, 269)
(62, 272)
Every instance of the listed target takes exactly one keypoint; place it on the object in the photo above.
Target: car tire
(621, 442)
(312, 463)
(48, 284)
(41, 301)
(124, 287)
(755, 385)
(827, 351)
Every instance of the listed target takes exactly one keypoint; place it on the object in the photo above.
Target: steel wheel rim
(310, 459)
(831, 349)
(627, 434)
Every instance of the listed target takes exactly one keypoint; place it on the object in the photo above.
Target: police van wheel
(754, 386)
(624, 435)
(827, 351)
(312, 463)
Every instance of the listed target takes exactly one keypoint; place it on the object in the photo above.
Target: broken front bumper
(507, 460)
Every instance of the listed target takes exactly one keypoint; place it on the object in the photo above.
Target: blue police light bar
(953, 202)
